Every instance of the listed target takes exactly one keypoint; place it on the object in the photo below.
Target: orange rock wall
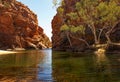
(19, 27)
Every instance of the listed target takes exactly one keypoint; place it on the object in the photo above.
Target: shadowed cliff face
(59, 38)
(19, 27)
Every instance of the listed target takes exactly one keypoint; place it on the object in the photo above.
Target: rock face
(19, 27)
(59, 38)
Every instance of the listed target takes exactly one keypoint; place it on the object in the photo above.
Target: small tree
(66, 29)
(69, 29)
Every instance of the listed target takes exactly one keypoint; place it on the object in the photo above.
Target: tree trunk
(108, 37)
(110, 31)
(100, 33)
(93, 29)
(67, 34)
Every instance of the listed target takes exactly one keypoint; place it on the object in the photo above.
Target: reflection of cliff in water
(72, 67)
(20, 67)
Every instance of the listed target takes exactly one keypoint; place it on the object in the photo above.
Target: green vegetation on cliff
(100, 16)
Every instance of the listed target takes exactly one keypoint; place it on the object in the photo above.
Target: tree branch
(81, 40)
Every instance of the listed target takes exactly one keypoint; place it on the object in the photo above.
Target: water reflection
(103, 67)
(50, 66)
(45, 71)
(85, 67)
(30, 66)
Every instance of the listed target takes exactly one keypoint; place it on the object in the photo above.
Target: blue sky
(45, 12)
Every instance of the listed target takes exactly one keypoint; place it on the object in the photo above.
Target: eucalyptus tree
(98, 15)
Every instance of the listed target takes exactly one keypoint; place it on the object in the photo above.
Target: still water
(50, 66)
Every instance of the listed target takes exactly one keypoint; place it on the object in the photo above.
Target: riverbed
(52, 66)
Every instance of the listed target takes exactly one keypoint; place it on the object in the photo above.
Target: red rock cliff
(19, 27)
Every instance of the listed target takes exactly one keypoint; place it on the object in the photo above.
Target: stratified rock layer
(19, 27)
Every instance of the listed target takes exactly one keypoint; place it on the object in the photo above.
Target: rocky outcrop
(19, 27)
(59, 38)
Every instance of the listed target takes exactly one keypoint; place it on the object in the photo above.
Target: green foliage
(73, 28)
(64, 27)
(86, 10)
(108, 13)
(93, 12)
(79, 28)
(60, 10)
(73, 15)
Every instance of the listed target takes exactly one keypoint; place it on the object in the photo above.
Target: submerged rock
(19, 27)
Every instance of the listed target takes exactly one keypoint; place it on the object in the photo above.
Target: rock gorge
(19, 27)
(59, 38)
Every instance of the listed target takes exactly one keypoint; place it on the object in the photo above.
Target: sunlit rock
(19, 27)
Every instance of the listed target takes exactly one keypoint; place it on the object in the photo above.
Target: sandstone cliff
(59, 38)
(19, 27)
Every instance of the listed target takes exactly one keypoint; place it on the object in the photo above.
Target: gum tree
(101, 16)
